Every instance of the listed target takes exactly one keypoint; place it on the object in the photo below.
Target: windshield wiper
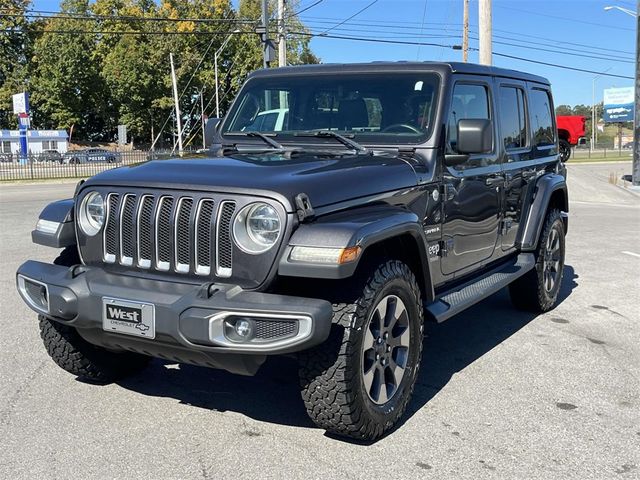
(341, 138)
(269, 141)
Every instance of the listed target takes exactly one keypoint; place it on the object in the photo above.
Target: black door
(527, 130)
(516, 154)
(472, 191)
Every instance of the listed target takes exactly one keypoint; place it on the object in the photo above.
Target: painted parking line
(632, 254)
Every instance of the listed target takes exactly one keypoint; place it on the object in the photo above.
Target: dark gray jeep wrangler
(339, 207)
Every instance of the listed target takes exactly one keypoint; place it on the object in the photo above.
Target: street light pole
(635, 170)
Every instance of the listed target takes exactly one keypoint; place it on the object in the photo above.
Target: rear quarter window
(542, 127)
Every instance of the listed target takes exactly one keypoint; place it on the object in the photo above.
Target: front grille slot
(183, 235)
(145, 231)
(224, 245)
(169, 233)
(111, 229)
(203, 237)
(127, 230)
(163, 234)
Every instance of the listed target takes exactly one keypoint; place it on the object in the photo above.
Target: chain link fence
(73, 164)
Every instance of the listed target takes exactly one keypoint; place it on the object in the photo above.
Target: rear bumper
(192, 322)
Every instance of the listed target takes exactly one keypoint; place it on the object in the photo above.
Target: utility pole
(202, 116)
(486, 31)
(465, 33)
(263, 31)
(635, 172)
(175, 96)
(282, 36)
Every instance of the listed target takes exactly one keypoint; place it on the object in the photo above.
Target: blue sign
(619, 105)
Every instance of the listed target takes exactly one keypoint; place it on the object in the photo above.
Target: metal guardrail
(36, 167)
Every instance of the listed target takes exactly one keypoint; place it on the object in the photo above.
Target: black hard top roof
(376, 67)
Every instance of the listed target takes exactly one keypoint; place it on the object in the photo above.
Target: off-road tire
(74, 354)
(331, 374)
(565, 150)
(528, 292)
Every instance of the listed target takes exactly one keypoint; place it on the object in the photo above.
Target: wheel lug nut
(386, 335)
(388, 348)
(377, 356)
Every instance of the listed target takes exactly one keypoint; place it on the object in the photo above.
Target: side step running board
(464, 296)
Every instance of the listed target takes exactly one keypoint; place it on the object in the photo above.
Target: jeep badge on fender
(337, 209)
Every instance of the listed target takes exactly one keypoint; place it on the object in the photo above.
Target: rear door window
(513, 123)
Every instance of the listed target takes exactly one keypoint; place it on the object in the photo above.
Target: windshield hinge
(304, 208)
(406, 150)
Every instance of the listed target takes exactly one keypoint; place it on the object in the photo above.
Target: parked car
(627, 146)
(50, 156)
(92, 155)
(6, 157)
(392, 194)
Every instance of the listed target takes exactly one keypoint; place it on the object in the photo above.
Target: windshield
(373, 108)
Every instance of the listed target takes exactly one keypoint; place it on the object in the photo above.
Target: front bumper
(191, 321)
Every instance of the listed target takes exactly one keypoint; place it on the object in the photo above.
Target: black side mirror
(475, 135)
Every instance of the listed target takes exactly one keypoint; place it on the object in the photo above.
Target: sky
(573, 27)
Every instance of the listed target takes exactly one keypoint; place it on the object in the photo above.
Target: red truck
(570, 133)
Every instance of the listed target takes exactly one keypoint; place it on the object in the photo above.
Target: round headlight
(256, 228)
(91, 215)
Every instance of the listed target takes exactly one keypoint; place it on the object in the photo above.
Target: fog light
(243, 328)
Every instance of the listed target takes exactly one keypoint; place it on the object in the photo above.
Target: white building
(37, 141)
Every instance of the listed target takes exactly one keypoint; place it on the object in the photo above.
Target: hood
(326, 180)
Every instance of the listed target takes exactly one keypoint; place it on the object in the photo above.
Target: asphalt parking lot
(501, 394)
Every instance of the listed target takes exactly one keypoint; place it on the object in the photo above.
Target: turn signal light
(324, 255)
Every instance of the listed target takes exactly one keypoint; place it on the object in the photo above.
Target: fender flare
(545, 188)
(62, 235)
(363, 227)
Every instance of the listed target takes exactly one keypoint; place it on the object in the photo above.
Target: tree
(67, 89)
(15, 45)
(110, 65)
(564, 110)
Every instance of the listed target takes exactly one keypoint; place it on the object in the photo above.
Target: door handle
(494, 180)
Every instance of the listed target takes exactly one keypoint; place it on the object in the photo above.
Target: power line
(457, 47)
(113, 32)
(373, 40)
(564, 51)
(566, 19)
(604, 74)
(424, 16)
(381, 24)
(560, 52)
(404, 26)
(556, 42)
(295, 14)
(353, 16)
(84, 16)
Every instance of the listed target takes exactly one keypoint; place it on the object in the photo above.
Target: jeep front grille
(165, 232)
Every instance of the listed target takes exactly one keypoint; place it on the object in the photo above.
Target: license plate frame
(128, 317)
